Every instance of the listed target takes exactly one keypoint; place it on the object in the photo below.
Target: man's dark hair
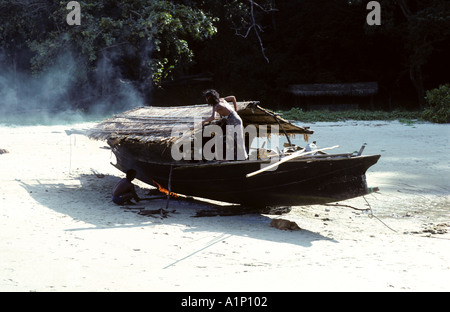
(212, 97)
(131, 174)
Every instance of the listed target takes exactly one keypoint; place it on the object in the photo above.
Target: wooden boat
(143, 139)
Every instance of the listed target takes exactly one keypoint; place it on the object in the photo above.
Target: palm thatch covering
(337, 89)
(154, 125)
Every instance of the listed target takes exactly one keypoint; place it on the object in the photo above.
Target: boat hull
(302, 181)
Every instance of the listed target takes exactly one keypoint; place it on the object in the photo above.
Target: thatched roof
(335, 89)
(152, 124)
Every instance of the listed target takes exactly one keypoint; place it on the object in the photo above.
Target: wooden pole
(169, 187)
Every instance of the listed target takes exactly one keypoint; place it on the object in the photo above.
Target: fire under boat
(144, 139)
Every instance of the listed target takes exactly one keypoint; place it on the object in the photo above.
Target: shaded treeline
(166, 52)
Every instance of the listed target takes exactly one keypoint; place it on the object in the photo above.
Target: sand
(59, 230)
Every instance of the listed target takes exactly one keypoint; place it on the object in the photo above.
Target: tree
(424, 24)
(249, 23)
(145, 42)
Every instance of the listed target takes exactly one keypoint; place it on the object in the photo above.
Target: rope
(371, 215)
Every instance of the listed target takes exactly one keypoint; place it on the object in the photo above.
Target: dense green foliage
(325, 115)
(252, 49)
(151, 35)
(127, 26)
(438, 105)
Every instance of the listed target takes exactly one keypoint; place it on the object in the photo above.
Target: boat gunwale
(180, 165)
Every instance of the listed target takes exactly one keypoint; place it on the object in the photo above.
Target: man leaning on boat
(235, 147)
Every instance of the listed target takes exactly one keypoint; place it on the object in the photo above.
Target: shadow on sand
(87, 198)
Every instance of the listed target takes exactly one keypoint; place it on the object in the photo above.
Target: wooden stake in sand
(169, 186)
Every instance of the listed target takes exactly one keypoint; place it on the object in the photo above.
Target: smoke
(114, 93)
(65, 92)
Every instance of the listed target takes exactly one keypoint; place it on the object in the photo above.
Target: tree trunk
(415, 74)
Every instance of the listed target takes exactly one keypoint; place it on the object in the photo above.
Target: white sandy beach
(60, 231)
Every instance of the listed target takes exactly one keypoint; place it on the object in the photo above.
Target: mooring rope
(371, 215)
